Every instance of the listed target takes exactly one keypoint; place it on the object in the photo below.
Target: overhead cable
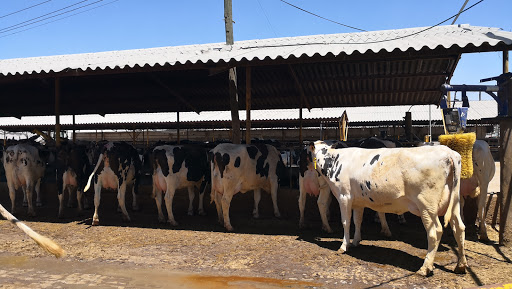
(68, 16)
(304, 10)
(366, 42)
(12, 13)
(32, 21)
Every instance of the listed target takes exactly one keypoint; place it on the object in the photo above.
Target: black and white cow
(422, 180)
(24, 168)
(177, 167)
(320, 189)
(242, 168)
(118, 167)
(72, 169)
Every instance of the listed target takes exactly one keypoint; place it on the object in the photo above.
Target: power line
(321, 16)
(370, 42)
(108, 3)
(24, 9)
(268, 21)
(19, 25)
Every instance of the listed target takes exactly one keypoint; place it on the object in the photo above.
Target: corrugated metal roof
(346, 43)
(478, 110)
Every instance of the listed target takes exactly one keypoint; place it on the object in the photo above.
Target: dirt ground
(263, 253)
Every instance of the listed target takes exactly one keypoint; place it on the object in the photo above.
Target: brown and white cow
(72, 168)
(242, 168)
(178, 167)
(24, 168)
(423, 180)
(118, 167)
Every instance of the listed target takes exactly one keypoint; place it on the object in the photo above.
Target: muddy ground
(263, 253)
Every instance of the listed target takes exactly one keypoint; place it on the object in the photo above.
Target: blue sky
(131, 24)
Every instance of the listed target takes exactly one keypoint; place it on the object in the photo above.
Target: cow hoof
(161, 220)
(190, 213)
(60, 216)
(126, 219)
(425, 272)
(256, 215)
(327, 229)
(25, 204)
(202, 213)
(32, 214)
(229, 228)
(135, 208)
(460, 269)
(277, 214)
(386, 233)
(39, 204)
(484, 238)
(95, 222)
(173, 223)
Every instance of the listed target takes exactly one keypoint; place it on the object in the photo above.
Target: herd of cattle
(422, 180)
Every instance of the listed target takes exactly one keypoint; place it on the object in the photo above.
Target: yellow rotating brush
(463, 144)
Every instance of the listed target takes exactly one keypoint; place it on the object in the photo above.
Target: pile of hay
(463, 144)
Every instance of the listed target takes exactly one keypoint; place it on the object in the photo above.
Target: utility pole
(233, 94)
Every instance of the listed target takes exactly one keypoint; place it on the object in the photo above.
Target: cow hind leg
(200, 207)
(218, 204)
(61, 203)
(135, 205)
(12, 195)
(346, 214)
(121, 198)
(29, 191)
(358, 219)
(191, 195)
(97, 197)
(158, 201)
(226, 202)
(482, 213)
(434, 233)
(257, 198)
(169, 196)
(79, 199)
(302, 202)
(273, 194)
(384, 228)
(323, 202)
(25, 202)
(459, 228)
(39, 203)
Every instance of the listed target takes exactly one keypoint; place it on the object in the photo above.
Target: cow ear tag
(314, 161)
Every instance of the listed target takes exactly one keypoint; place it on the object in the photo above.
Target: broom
(45, 243)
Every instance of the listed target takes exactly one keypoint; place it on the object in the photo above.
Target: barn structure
(377, 68)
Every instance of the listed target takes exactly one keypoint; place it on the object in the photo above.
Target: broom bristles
(44, 242)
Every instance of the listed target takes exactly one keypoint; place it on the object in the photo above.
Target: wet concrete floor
(48, 272)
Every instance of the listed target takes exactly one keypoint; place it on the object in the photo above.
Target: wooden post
(233, 95)
(248, 99)
(57, 112)
(505, 233)
(74, 131)
(178, 128)
(300, 122)
(408, 126)
(505, 61)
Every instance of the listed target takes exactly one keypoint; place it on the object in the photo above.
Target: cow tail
(455, 192)
(44, 242)
(100, 159)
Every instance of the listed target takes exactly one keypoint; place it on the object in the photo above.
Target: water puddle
(22, 271)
